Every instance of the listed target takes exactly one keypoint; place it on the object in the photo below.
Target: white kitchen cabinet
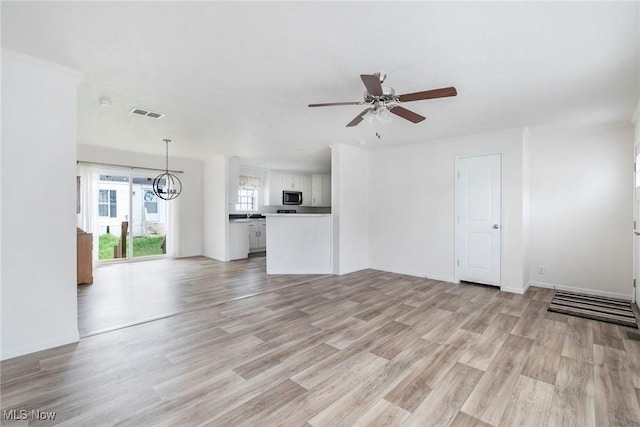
(305, 187)
(321, 190)
(262, 237)
(278, 181)
(291, 182)
(257, 235)
(273, 190)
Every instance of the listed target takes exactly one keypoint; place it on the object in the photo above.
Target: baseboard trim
(519, 291)
(397, 270)
(586, 291)
(222, 259)
(39, 346)
(414, 273)
(349, 271)
(319, 271)
(442, 278)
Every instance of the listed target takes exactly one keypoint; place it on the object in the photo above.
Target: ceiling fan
(382, 100)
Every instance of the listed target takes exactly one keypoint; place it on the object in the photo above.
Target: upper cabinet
(273, 189)
(291, 182)
(316, 189)
(305, 187)
(321, 190)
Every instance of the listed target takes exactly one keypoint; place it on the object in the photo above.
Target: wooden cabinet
(84, 257)
(321, 190)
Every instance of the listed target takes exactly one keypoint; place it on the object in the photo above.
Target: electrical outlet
(541, 269)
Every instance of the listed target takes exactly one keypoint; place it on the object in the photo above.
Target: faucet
(248, 215)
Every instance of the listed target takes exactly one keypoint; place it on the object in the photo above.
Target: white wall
(526, 206)
(412, 206)
(637, 255)
(582, 209)
(38, 275)
(215, 209)
(350, 202)
(187, 208)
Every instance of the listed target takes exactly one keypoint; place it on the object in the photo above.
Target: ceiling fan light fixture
(383, 115)
(369, 116)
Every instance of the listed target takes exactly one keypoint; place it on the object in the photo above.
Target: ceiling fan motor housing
(388, 97)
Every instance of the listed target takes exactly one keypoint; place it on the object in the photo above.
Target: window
(107, 205)
(247, 199)
(150, 202)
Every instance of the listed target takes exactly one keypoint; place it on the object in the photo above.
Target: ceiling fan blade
(329, 104)
(372, 83)
(358, 119)
(428, 94)
(406, 114)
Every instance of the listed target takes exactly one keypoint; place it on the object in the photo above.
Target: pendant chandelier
(166, 185)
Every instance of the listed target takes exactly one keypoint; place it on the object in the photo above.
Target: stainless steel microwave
(291, 197)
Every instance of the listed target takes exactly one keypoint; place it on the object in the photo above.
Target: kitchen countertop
(244, 216)
(296, 214)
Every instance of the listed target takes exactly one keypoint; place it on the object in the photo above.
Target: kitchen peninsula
(299, 244)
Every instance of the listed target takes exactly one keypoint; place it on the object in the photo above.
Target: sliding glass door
(148, 219)
(113, 216)
(132, 220)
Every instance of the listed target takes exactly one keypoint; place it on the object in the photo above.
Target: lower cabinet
(257, 236)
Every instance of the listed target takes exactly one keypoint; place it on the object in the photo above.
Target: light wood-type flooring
(365, 349)
(128, 293)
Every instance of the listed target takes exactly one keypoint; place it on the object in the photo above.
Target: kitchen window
(247, 199)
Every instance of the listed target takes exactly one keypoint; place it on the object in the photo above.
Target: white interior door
(478, 218)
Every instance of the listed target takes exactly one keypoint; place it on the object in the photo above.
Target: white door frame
(502, 215)
(129, 173)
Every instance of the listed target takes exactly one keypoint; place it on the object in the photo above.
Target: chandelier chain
(166, 142)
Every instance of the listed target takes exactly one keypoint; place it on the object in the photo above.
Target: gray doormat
(594, 307)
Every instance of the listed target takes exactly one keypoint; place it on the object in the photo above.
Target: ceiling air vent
(143, 112)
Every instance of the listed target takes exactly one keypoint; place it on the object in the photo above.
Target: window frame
(111, 203)
(244, 206)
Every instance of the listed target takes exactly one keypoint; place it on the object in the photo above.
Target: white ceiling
(236, 78)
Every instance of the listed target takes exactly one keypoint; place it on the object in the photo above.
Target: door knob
(496, 226)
